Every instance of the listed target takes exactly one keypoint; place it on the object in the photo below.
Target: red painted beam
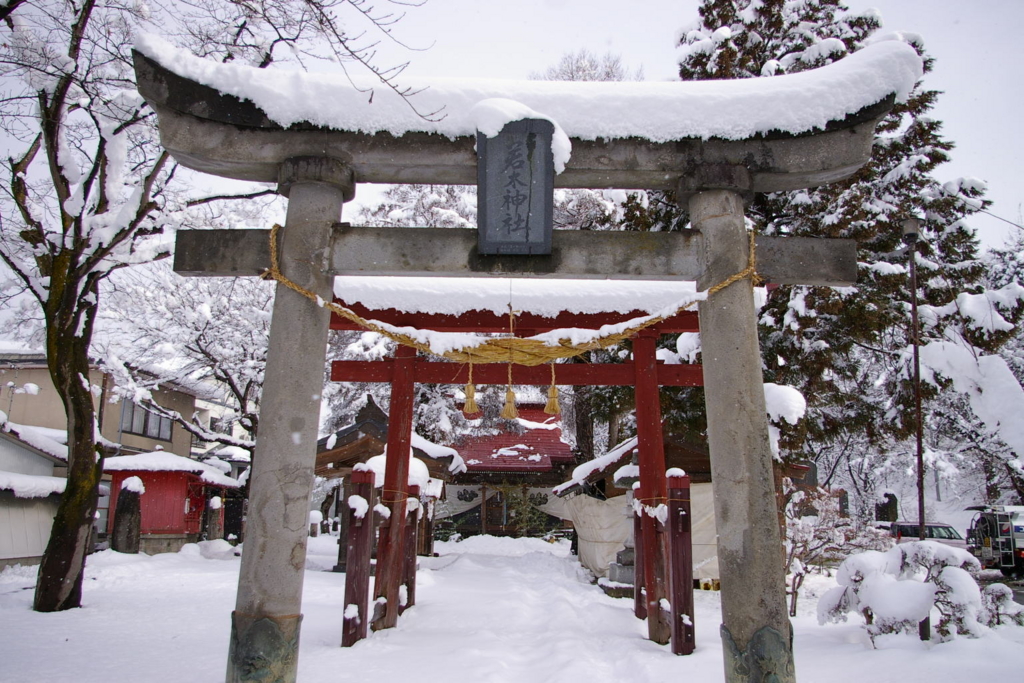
(566, 374)
(526, 323)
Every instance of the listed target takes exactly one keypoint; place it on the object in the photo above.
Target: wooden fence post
(680, 553)
(357, 573)
(412, 525)
(652, 492)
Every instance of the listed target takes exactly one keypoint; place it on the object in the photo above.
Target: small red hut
(175, 500)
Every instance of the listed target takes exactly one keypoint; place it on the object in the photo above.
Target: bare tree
(88, 191)
(584, 65)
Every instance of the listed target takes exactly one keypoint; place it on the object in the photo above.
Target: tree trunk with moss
(61, 571)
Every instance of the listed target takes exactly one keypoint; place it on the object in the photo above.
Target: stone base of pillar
(767, 659)
(263, 648)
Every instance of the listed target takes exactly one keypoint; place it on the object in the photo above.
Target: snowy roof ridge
(162, 461)
(657, 111)
(31, 485)
(39, 438)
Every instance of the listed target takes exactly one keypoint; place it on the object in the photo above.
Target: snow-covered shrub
(998, 607)
(819, 534)
(897, 589)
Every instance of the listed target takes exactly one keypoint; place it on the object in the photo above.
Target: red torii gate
(661, 568)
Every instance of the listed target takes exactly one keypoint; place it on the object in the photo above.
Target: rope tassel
(552, 407)
(470, 407)
(508, 411)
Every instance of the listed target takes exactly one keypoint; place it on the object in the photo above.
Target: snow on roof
(657, 111)
(162, 461)
(438, 452)
(455, 296)
(535, 450)
(50, 441)
(31, 485)
(583, 472)
(232, 453)
(18, 348)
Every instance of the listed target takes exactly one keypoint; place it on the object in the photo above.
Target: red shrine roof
(537, 449)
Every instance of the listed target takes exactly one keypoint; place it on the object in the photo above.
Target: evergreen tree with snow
(849, 350)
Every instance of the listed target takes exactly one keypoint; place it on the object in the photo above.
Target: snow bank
(657, 111)
(162, 461)
(503, 546)
(210, 550)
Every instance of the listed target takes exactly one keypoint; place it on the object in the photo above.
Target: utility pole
(911, 228)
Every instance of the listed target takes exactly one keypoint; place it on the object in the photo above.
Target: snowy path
(489, 610)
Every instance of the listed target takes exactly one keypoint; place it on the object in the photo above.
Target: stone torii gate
(317, 168)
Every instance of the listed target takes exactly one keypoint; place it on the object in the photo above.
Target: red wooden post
(357, 568)
(680, 546)
(412, 525)
(390, 553)
(639, 608)
(652, 480)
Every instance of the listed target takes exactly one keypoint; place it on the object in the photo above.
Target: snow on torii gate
(714, 142)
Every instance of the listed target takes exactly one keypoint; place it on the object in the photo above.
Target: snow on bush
(998, 607)
(818, 534)
(897, 589)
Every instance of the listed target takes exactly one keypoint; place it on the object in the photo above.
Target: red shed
(177, 493)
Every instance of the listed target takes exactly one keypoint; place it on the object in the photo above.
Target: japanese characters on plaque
(515, 190)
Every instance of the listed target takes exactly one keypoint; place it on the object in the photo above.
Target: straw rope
(528, 351)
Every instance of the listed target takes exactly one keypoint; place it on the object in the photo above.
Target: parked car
(905, 532)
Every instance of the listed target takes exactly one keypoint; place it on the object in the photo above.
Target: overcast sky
(979, 63)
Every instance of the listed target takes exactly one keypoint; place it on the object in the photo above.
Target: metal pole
(910, 234)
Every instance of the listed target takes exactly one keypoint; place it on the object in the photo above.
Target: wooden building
(176, 503)
(505, 472)
(29, 495)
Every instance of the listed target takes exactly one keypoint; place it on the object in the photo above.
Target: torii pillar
(756, 633)
(265, 623)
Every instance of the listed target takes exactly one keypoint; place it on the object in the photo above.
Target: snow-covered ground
(488, 610)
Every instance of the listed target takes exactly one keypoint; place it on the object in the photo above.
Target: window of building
(137, 420)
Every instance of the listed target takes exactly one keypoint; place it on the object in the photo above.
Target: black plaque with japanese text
(515, 189)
